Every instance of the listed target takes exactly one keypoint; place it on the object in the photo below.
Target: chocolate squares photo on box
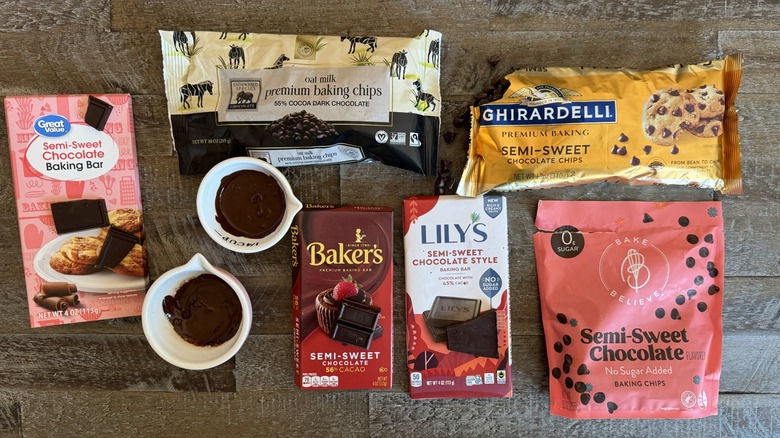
(118, 246)
(459, 323)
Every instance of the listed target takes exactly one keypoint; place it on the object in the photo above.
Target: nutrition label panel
(315, 381)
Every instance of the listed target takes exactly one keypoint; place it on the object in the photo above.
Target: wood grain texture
(287, 413)
(465, 70)
(63, 16)
(404, 17)
(749, 365)
(97, 62)
(117, 363)
(527, 415)
(555, 13)
(10, 414)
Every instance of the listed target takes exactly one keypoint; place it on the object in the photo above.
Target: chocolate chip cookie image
(83, 250)
(667, 113)
(79, 255)
(62, 264)
(710, 101)
(126, 219)
(707, 128)
(710, 104)
(134, 263)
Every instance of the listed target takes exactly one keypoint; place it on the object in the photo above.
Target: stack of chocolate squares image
(459, 323)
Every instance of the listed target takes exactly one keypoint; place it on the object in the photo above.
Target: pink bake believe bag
(631, 296)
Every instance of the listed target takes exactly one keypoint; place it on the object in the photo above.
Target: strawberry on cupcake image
(329, 301)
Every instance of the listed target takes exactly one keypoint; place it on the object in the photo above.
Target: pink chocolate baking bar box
(78, 201)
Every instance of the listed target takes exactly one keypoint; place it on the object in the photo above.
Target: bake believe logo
(633, 270)
(547, 105)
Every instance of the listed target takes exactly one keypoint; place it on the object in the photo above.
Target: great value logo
(52, 125)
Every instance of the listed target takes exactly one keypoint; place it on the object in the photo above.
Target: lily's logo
(454, 232)
(634, 271)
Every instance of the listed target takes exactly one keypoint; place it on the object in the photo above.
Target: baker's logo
(350, 251)
(52, 125)
(244, 94)
(359, 236)
(634, 271)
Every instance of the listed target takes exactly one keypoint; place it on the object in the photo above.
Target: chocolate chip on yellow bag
(559, 126)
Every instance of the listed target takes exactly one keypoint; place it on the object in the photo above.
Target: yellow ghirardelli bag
(558, 126)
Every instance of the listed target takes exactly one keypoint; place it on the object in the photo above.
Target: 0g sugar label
(567, 241)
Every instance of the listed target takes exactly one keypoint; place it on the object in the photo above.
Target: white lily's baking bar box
(457, 297)
(78, 201)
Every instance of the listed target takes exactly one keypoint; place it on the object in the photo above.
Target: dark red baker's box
(342, 269)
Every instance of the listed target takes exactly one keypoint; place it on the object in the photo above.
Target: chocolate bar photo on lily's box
(68, 156)
(457, 297)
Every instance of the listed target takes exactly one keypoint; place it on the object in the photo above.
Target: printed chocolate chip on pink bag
(631, 296)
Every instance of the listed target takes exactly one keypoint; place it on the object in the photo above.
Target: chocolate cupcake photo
(329, 301)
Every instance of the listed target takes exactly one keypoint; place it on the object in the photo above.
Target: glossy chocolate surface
(446, 311)
(79, 215)
(204, 311)
(250, 204)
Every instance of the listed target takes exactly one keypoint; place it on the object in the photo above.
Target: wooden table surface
(102, 378)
